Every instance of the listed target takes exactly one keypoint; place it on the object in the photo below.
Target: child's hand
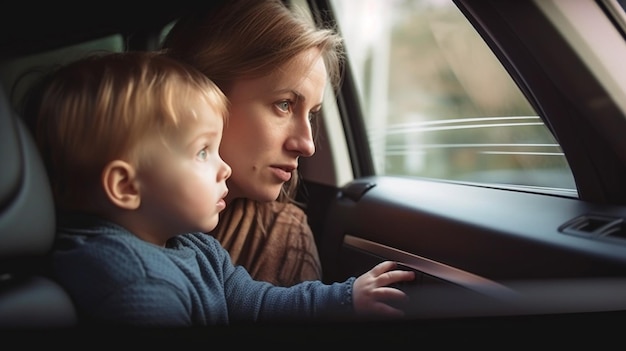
(372, 290)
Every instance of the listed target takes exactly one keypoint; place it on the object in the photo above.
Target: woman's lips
(282, 173)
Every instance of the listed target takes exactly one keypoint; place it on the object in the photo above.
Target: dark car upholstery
(28, 298)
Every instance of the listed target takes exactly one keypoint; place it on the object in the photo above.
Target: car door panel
(474, 241)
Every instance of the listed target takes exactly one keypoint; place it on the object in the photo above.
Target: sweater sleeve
(250, 300)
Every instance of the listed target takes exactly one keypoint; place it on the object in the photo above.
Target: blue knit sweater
(115, 277)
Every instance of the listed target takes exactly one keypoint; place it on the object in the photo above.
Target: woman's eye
(283, 106)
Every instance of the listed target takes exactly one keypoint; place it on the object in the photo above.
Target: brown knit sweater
(277, 247)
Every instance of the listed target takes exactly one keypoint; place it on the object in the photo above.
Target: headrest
(27, 220)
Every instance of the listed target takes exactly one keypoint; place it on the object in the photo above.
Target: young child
(130, 141)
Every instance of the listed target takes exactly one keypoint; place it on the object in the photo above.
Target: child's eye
(203, 154)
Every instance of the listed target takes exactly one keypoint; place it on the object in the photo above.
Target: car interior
(487, 256)
(28, 298)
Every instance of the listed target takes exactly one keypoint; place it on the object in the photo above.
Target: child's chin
(208, 227)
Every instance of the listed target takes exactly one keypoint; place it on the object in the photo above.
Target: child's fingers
(383, 267)
(389, 293)
(387, 274)
(396, 276)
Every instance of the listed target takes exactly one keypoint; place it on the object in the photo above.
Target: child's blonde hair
(100, 108)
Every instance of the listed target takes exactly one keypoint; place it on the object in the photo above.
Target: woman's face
(269, 126)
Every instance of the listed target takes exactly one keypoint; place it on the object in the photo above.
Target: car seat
(28, 297)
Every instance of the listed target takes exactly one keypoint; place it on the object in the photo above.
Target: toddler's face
(184, 186)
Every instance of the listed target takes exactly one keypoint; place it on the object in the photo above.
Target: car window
(438, 104)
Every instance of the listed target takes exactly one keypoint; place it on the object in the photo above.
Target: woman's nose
(301, 139)
(302, 143)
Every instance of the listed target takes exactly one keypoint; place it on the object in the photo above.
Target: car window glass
(437, 103)
(18, 72)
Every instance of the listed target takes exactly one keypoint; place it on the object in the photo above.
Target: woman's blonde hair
(100, 108)
(249, 39)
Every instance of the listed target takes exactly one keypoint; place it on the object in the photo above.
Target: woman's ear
(120, 184)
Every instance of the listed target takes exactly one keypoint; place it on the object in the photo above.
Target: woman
(273, 65)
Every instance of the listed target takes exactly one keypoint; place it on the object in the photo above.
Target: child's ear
(120, 184)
